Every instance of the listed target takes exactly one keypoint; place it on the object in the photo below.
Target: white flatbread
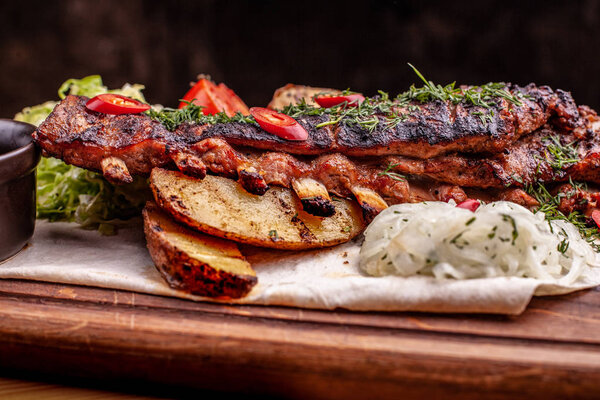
(322, 279)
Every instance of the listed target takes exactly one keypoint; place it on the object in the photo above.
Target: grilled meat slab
(430, 129)
(343, 159)
(526, 161)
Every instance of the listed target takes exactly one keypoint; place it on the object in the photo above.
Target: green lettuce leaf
(68, 193)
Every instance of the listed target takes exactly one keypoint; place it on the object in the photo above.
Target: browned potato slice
(194, 262)
(293, 94)
(220, 207)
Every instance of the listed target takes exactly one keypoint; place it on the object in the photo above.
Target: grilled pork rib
(527, 161)
(343, 159)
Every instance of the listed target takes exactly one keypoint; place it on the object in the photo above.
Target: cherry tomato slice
(596, 217)
(279, 124)
(469, 204)
(109, 103)
(331, 101)
(214, 98)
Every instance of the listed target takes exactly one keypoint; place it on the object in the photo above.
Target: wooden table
(18, 389)
(551, 351)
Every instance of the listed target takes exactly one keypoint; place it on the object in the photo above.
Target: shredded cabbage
(68, 193)
(499, 239)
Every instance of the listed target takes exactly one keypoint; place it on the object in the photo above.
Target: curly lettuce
(68, 193)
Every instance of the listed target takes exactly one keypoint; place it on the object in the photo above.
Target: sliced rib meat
(344, 159)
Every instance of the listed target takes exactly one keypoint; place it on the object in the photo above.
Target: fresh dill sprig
(370, 114)
(486, 96)
(563, 155)
(485, 117)
(171, 118)
(391, 174)
(381, 110)
(549, 205)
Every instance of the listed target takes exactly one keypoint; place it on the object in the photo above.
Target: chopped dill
(485, 96)
(484, 117)
(394, 175)
(455, 242)
(563, 246)
(374, 112)
(171, 118)
(516, 178)
(562, 155)
(549, 205)
(513, 223)
(273, 235)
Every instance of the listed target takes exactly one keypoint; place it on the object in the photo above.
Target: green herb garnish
(486, 96)
(394, 175)
(549, 206)
(273, 235)
(563, 246)
(562, 155)
(171, 118)
(373, 112)
(513, 223)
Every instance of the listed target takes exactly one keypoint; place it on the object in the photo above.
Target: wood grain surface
(17, 389)
(551, 351)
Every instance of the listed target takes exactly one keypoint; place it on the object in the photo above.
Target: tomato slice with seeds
(214, 98)
(469, 204)
(109, 103)
(352, 100)
(279, 124)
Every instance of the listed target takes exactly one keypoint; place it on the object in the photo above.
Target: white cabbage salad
(498, 239)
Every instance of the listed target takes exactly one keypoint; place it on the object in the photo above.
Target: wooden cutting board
(551, 351)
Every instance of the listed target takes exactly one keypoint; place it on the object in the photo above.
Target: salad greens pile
(68, 193)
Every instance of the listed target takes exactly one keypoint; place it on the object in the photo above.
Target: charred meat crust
(253, 182)
(524, 162)
(430, 129)
(318, 206)
(342, 157)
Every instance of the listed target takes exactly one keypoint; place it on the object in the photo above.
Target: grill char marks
(524, 162)
(438, 140)
(84, 138)
(432, 129)
(319, 140)
(441, 127)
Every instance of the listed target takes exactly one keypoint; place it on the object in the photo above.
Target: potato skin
(220, 207)
(185, 272)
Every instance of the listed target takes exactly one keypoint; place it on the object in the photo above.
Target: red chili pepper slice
(279, 124)
(469, 204)
(352, 100)
(109, 103)
(596, 217)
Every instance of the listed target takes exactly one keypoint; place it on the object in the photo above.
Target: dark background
(257, 46)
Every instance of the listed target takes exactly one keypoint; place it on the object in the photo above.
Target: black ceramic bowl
(18, 159)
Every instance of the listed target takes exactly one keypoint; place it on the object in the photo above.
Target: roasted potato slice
(194, 262)
(220, 207)
(293, 94)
